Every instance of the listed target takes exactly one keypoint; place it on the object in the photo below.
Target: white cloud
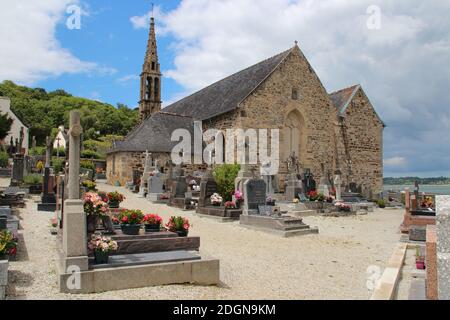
(29, 50)
(403, 66)
(395, 162)
(128, 78)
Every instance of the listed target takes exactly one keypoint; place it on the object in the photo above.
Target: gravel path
(254, 265)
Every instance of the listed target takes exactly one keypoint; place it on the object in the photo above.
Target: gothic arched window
(294, 94)
(156, 89)
(148, 88)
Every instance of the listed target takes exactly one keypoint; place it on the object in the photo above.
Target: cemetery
(121, 211)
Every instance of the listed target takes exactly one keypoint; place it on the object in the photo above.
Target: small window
(243, 113)
(294, 94)
(153, 66)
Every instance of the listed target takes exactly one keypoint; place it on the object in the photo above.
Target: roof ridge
(173, 114)
(235, 73)
(340, 90)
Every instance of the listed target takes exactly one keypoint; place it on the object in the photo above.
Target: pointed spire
(152, 49)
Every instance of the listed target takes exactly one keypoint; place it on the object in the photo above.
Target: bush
(87, 164)
(38, 151)
(57, 164)
(225, 175)
(381, 203)
(32, 179)
(90, 154)
(61, 151)
(3, 159)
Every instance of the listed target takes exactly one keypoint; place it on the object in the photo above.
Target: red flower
(124, 219)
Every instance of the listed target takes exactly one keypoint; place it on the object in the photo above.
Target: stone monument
(155, 184)
(294, 185)
(324, 184)
(268, 218)
(443, 246)
(74, 245)
(338, 185)
(145, 175)
(48, 202)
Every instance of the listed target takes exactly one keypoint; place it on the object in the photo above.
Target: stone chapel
(333, 132)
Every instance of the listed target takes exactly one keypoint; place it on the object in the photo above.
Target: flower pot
(152, 227)
(420, 265)
(270, 203)
(92, 222)
(216, 204)
(131, 229)
(182, 233)
(4, 257)
(114, 204)
(101, 257)
(382, 206)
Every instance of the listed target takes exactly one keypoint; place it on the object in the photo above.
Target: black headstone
(207, 189)
(255, 194)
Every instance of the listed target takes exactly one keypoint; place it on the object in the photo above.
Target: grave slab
(198, 272)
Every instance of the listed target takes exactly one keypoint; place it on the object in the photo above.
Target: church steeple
(150, 101)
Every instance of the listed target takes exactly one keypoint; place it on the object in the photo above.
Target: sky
(399, 51)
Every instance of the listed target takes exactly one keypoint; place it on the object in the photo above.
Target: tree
(5, 125)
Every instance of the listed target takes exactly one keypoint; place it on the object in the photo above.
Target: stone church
(333, 132)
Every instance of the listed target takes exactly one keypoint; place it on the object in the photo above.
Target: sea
(435, 189)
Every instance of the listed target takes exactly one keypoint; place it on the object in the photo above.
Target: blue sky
(108, 37)
(399, 51)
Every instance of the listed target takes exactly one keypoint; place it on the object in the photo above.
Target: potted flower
(216, 199)
(54, 226)
(8, 245)
(230, 205)
(95, 208)
(102, 247)
(270, 201)
(420, 260)
(312, 195)
(130, 221)
(114, 199)
(329, 199)
(343, 207)
(239, 198)
(381, 203)
(152, 222)
(179, 225)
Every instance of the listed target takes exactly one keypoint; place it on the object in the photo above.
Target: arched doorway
(294, 136)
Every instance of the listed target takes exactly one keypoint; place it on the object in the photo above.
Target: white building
(5, 107)
(60, 139)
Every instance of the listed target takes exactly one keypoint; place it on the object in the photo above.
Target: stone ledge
(388, 282)
(200, 272)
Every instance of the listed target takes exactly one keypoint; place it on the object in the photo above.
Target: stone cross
(22, 135)
(48, 151)
(74, 155)
(74, 219)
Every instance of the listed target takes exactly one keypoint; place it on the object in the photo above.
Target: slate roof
(225, 95)
(342, 98)
(154, 133)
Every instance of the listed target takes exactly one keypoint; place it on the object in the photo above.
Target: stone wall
(360, 145)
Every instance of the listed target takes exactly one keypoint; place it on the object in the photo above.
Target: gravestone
(324, 184)
(309, 184)
(207, 189)
(155, 187)
(178, 189)
(338, 185)
(48, 197)
(254, 195)
(143, 188)
(3, 222)
(258, 216)
(18, 169)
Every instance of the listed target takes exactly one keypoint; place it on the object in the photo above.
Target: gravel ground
(254, 265)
